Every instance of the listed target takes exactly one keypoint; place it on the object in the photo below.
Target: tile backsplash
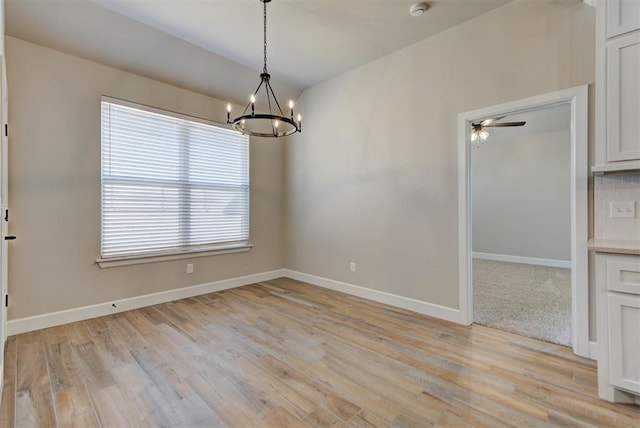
(608, 188)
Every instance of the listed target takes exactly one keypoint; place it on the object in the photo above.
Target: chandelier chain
(264, 15)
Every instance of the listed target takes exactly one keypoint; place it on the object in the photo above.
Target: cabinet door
(622, 16)
(624, 341)
(623, 98)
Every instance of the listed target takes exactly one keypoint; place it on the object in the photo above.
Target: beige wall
(54, 181)
(521, 195)
(373, 177)
(2, 27)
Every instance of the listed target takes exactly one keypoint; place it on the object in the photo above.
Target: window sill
(190, 254)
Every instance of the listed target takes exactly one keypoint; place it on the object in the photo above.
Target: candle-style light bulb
(291, 104)
(229, 107)
(229, 113)
(299, 122)
(253, 103)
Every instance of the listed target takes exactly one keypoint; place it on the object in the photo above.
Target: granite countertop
(614, 246)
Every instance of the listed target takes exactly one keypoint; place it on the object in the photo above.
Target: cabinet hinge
(6, 300)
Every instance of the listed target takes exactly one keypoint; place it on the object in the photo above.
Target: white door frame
(578, 99)
(4, 190)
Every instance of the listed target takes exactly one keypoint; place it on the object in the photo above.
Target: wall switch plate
(189, 267)
(352, 267)
(622, 209)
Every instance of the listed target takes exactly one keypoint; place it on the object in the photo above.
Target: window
(171, 184)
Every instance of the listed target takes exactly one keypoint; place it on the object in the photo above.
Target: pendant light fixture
(274, 123)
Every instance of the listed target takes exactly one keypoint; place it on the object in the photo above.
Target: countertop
(614, 246)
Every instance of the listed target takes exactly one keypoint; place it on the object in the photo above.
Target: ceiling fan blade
(505, 124)
(489, 121)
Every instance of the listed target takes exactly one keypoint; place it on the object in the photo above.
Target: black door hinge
(6, 215)
(6, 300)
(6, 130)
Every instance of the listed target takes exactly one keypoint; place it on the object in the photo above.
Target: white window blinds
(170, 183)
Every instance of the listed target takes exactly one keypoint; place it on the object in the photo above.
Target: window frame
(176, 253)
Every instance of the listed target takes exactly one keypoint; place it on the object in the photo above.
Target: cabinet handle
(9, 238)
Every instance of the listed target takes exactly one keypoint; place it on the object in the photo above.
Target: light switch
(623, 209)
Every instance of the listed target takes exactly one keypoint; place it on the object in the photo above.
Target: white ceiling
(309, 40)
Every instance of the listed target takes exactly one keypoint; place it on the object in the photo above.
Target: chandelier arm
(266, 89)
(269, 88)
(255, 93)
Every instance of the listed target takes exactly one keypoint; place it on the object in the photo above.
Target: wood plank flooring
(287, 354)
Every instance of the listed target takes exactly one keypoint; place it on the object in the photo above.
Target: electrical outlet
(189, 267)
(622, 209)
(352, 266)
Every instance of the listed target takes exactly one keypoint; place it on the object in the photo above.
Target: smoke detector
(418, 9)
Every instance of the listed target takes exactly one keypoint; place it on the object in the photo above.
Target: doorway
(573, 256)
(521, 224)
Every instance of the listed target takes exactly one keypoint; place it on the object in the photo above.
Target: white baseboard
(37, 322)
(408, 303)
(525, 260)
(593, 350)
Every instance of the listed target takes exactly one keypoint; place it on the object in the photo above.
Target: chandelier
(274, 123)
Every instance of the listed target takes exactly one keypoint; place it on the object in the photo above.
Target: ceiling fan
(479, 134)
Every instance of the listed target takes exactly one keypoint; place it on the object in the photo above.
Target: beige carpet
(533, 301)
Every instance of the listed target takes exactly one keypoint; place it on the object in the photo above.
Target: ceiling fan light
(484, 134)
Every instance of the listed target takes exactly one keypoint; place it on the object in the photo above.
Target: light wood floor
(284, 353)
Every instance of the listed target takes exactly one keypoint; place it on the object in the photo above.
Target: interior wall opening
(577, 100)
(520, 175)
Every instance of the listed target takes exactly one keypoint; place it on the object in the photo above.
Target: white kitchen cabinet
(617, 86)
(618, 326)
(623, 98)
(624, 341)
(623, 16)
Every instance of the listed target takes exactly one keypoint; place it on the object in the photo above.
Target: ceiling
(309, 40)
